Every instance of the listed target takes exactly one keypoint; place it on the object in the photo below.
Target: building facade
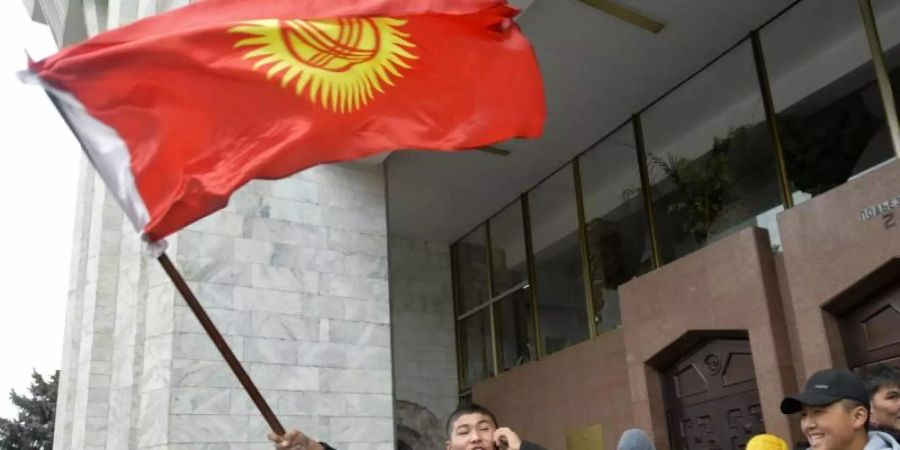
(695, 265)
(709, 218)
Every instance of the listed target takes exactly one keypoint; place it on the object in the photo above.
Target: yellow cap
(767, 442)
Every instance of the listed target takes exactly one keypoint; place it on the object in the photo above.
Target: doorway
(712, 401)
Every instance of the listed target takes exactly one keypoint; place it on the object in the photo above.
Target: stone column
(72, 335)
(425, 376)
(95, 324)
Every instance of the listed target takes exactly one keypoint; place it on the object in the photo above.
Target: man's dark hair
(879, 376)
(471, 408)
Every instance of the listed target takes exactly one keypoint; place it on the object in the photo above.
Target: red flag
(179, 110)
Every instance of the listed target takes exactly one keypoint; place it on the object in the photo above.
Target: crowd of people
(838, 409)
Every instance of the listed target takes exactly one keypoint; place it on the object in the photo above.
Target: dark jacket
(531, 446)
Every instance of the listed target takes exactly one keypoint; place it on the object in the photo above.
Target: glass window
(615, 220)
(515, 330)
(823, 86)
(562, 308)
(508, 248)
(475, 336)
(887, 19)
(472, 270)
(710, 157)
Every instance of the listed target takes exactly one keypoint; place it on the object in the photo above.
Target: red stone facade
(784, 303)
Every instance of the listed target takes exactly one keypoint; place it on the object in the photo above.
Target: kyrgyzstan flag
(179, 110)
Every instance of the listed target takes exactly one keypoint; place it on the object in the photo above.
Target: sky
(39, 161)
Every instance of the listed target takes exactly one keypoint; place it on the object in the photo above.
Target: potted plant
(702, 184)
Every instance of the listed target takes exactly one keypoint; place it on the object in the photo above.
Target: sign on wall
(884, 210)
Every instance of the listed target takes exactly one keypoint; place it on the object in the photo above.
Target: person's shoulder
(531, 446)
(883, 438)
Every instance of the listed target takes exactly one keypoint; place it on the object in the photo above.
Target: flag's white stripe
(105, 149)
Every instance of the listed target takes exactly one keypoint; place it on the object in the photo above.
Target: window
(472, 270)
(515, 329)
(823, 86)
(561, 305)
(618, 243)
(475, 336)
(710, 157)
(509, 267)
(887, 19)
(473, 325)
(508, 264)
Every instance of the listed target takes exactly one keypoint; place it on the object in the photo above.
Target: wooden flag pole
(220, 343)
(204, 319)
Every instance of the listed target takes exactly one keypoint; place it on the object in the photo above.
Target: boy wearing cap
(834, 413)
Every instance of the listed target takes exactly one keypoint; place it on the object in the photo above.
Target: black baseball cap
(826, 387)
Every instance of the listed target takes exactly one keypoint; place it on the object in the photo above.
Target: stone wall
(727, 288)
(581, 386)
(293, 272)
(827, 249)
(425, 373)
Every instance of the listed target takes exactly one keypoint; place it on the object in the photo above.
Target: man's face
(832, 427)
(473, 431)
(886, 406)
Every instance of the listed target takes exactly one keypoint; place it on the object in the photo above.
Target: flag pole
(220, 343)
(204, 319)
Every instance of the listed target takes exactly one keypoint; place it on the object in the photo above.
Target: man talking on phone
(470, 427)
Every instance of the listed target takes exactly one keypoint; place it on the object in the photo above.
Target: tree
(33, 429)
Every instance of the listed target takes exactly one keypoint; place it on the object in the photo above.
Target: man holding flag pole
(179, 110)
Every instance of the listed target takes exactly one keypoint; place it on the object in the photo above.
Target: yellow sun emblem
(342, 62)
